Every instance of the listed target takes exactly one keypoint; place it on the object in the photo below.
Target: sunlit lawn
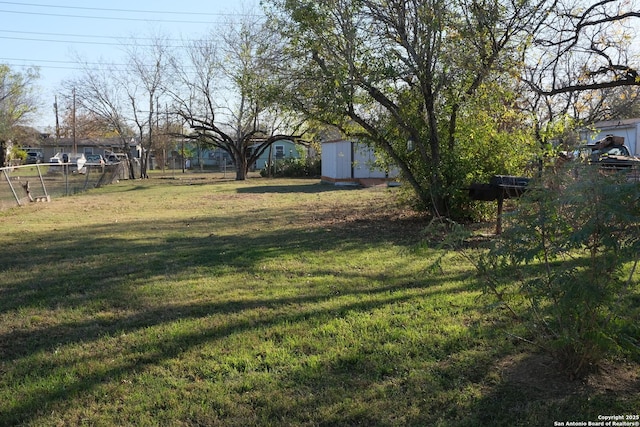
(200, 301)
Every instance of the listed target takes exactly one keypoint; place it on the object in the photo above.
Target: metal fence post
(65, 171)
(6, 175)
(44, 188)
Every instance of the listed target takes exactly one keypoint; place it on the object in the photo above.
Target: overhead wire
(64, 65)
(38, 33)
(74, 65)
(151, 16)
(103, 9)
(118, 41)
(116, 18)
(83, 42)
(76, 41)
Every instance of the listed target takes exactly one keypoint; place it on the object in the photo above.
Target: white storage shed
(348, 162)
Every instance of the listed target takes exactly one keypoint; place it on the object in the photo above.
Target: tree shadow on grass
(469, 385)
(312, 187)
(532, 389)
(151, 352)
(430, 384)
(63, 268)
(96, 273)
(20, 343)
(456, 381)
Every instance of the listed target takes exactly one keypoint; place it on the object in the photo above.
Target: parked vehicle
(610, 155)
(94, 160)
(34, 157)
(115, 158)
(76, 161)
(609, 152)
(610, 149)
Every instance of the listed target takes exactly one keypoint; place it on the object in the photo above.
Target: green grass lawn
(201, 301)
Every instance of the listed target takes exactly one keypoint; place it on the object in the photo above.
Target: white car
(94, 160)
(74, 159)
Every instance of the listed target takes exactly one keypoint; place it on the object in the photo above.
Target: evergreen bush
(564, 267)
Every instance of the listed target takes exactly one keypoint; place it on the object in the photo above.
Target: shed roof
(607, 124)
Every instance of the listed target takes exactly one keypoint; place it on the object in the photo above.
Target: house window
(279, 151)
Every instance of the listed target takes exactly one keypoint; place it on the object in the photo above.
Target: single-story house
(629, 129)
(208, 157)
(280, 150)
(348, 162)
(50, 146)
(217, 157)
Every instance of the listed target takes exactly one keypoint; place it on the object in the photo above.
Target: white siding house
(347, 162)
(629, 129)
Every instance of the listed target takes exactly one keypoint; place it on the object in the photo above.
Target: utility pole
(55, 107)
(73, 122)
(166, 138)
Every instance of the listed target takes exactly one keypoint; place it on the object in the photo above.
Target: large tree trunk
(144, 169)
(3, 153)
(241, 169)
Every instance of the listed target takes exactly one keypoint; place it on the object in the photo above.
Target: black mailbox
(500, 187)
(485, 192)
(510, 186)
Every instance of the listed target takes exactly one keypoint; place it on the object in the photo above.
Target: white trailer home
(629, 129)
(352, 163)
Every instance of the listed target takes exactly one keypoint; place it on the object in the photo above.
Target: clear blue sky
(48, 33)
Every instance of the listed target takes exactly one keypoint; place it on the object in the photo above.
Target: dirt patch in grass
(375, 218)
(541, 376)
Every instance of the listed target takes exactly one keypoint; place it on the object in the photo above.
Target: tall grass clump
(564, 267)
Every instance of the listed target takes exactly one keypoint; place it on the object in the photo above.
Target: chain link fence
(20, 185)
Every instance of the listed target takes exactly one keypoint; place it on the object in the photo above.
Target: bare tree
(146, 85)
(126, 97)
(581, 65)
(225, 98)
(100, 91)
(586, 46)
(87, 124)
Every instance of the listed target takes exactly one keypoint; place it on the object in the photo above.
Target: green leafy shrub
(294, 168)
(17, 154)
(491, 140)
(559, 267)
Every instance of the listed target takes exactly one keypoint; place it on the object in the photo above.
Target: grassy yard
(201, 301)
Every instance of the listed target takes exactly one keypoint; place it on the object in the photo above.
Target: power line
(58, 15)
(54, 61)
(49, 60)
(72, 65)
(36, 33)
(80, 42)
(90, 14)
(125, 10)
(53, 67)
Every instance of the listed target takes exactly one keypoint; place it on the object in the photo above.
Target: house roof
(336, 141)
(609, 124)
(27, 136)
(84, 142)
